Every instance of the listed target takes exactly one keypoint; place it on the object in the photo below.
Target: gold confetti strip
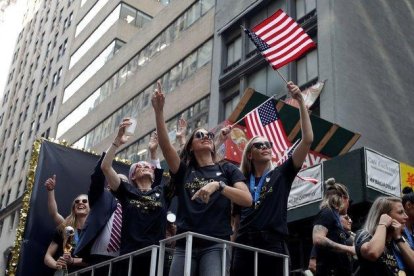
(12, 266)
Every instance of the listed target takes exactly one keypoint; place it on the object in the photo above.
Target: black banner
(73, 169)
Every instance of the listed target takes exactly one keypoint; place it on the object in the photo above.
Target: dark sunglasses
(145, 166)
(77, 201)
(200, 135)
(263, 145)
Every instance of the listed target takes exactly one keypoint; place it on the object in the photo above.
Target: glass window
(307, 68)
(205, 53)
(90, 71)
(128, 14)
(193, 14)
(175, 77)
(206, 5)
(189, 65)
(234, 51)
(303, 7)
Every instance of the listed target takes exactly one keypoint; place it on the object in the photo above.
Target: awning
(329, 139)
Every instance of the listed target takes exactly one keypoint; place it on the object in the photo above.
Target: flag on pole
(288, 153)
(280, 39)
(265, 121)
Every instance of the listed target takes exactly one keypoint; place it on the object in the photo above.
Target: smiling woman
(56, 257)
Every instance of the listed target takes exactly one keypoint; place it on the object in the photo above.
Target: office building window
(171, 79)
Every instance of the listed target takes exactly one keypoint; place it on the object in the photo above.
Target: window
(234, 51)
(303, 7)
(7, 174)
(307, 68)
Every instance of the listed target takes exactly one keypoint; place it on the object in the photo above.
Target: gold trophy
(68, 235)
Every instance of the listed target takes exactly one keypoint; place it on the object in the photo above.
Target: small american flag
(264, 121)
(280, 39)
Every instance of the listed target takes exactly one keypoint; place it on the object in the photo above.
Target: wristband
(221, 187)
(386, 226)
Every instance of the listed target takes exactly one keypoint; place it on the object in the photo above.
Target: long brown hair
(187, 155)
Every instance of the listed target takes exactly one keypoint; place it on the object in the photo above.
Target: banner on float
(407, 176)
(304, 192)
(382, 173)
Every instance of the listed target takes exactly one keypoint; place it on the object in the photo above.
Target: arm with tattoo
(320, 240)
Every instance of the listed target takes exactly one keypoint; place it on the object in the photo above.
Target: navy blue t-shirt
(212, 219)
(385, 265)
(328, 259)
(143, 216)
(269, 213)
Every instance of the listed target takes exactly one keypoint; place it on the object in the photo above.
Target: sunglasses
(200, 135)
(145, 166)
(77, 201)
(263, 145)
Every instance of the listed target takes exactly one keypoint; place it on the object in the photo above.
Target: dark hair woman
(205, 190)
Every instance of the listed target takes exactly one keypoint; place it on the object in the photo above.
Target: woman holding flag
(264, 224)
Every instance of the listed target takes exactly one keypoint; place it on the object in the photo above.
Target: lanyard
(255, 191)
(398, 257)
(76, 237)
(409, 237)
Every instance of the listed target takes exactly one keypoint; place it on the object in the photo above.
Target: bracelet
(386, 226)
(50, 189)
(115, 145)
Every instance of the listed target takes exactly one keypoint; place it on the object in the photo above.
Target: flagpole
(238, 121)
(283, 78)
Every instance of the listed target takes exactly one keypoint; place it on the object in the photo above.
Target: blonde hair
(71, 219)
(334, 193)
(382, 205)
(246, 165)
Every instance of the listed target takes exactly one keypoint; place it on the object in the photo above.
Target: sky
(11, 19)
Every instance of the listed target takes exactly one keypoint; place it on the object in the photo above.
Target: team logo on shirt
(196, 184)
(147, 204)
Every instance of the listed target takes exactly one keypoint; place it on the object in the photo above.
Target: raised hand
(153, 143)
(158, 98)
(121, 138)
(51, 183)
(294, 91)
(181, 131)
(224, 133)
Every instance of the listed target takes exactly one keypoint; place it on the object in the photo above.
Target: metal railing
(158, 269)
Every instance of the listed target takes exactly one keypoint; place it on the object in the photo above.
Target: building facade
(80, 66)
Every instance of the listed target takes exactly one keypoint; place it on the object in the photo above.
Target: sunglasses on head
(77, 201)
(263, 145)
(200, 135)
(145, 166)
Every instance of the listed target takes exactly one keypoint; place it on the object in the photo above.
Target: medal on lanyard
(255, 191)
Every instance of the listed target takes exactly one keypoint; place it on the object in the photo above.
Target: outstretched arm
(48, 259)
(106, 166)
(304, 145)
(51, 201)
(170, 155)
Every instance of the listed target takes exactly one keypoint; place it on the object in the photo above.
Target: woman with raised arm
(380, 245)
(205, 190)
(264, 225)
(55, 257)
(144, 203)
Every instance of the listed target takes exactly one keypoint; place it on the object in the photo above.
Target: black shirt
(385, 265)
(143, 216)
(327, 259)
(58, 239)
(213, 218)
(269, 213)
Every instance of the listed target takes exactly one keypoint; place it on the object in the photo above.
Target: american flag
(264, 121)
(288, 153)
(280, 39)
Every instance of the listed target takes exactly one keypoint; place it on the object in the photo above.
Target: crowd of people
(248, 205)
